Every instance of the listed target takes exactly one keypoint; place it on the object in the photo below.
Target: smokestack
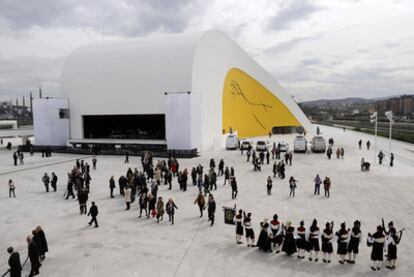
(40, 93)
(24, 102)
(17, 101)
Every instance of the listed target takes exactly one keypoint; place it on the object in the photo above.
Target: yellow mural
(250, 109)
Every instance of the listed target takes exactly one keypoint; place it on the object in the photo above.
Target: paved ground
(127, 246)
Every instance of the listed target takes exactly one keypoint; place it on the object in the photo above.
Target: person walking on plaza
(21, 158)
(127, 196)
(160, 209)
(112, 186)
(211, 209)
(94, 161)
(69, 188)
(221, 168)
(15, 157)
(327, 186)
(170, 207)
(368, 144)
(269, 185)
(126, 158)
(201, 202)
(318, 183)
(46, 181)
(93, 212)
(360, 143)
(329, 152)
(53, 183)
(380, 156)
(292, 186)
(41, 241)
(82, 199)
(12, 188)
(14, 263)
(234, 190)
(33, 253)
(391, 159)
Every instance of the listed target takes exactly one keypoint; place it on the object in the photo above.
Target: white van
(299, 144)
(232, 142)
(318, 144)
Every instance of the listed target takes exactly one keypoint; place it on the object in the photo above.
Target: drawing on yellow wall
(251, 109)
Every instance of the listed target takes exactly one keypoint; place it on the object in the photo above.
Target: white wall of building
(131, 76)
(126, 77)
(183, 121)
(49, 128)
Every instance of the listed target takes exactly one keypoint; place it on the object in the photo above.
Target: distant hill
(351, 101)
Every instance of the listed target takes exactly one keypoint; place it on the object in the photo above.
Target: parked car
(232, 142)
(245, 145)
(262, 145)
(283, 146)
(318, 144)
(299, 144)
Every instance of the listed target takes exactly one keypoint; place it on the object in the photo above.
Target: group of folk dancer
(278, 237)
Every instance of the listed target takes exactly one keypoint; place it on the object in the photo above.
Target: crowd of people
(278, 237)
(143, 188)
(37, 249)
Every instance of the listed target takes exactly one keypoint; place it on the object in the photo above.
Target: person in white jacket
(127, 195)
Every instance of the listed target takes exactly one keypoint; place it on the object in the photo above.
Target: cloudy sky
(314, 48)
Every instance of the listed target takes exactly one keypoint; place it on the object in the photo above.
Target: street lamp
(374, 118)
(389, 116)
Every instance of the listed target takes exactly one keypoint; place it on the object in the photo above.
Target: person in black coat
(82, 199)
(14, 263)
(263, 243)
(42, 242)
(33, 256)
(211, 209)
(54, 181)
(377, 241)
(112, 186)
(93, 212)
(353, 245)
(289, 243)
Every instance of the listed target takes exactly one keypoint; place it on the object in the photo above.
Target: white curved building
(113, 82)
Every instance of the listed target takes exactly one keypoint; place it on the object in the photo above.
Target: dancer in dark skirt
(289, 243)
(239, 227)
(393, 239)
(353, 245)
(314, 241)
(377, 241)
(327, 237)
(342, 239)
(276, 234)
(301, 242)
(264, 241)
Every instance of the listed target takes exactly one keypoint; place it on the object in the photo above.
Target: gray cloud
(288, 45)
(125, 17)
(291, 12)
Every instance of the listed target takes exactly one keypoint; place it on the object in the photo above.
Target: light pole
(389, 116)
(374, 118)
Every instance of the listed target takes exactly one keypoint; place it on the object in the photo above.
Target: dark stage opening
(148, 126)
